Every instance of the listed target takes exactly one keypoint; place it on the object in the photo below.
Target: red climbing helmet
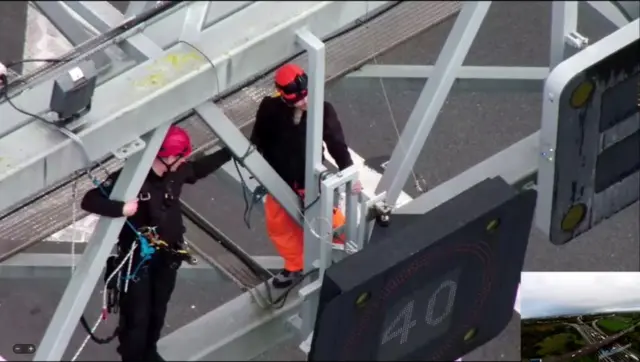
(291, 82)
(176, 143)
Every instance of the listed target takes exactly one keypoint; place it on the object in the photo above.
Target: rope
(103, 315)
(74, 199)
(417, 182)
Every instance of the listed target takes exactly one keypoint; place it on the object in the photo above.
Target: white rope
(74, 199)
(416, 181)
(128, 257)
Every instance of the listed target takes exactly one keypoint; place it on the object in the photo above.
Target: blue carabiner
(146, 250)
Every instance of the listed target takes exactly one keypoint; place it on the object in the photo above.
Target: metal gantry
(214, 53)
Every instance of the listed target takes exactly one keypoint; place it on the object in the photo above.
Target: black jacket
(283, 143)
(159, 203)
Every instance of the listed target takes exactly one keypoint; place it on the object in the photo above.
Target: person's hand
(357, 187)
(130, 208)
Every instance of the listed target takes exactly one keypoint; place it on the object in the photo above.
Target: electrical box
(429, 287)
(73, 91)
(590, 137)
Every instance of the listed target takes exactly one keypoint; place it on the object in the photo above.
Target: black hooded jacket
(159, 203)
(283, 143)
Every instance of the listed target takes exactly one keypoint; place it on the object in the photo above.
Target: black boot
(285, 279)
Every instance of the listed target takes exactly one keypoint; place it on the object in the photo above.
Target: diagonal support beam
(69, 26)
(138, 7)
(77, 294)
(194, 20)
(238, 144)
(611, 12)
(516, 164)
(72, 29)
(432, 98)
(103, 16)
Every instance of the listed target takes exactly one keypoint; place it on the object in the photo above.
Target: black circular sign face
(435, 288)
(410, 320)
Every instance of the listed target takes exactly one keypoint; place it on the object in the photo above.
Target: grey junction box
(73, 91)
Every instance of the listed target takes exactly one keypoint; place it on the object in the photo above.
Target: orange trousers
(288, 236)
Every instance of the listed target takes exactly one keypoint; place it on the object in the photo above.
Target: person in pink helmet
(144, 305)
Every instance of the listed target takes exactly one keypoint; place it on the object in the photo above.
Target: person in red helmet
(156, 213)
(279, 134)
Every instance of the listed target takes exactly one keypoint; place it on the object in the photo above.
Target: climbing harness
(182, 254)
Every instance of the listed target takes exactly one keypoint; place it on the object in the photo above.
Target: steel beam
(610, 12)
(69, 26)
(516, 164)
(57, 266)
(269, 262)
(431, 99)
(104, 17)
(160, 89)
(564, 21)
(217, 11)
(468, 78)
(136, 7)
(57, 14)
(194, 20)
(314, 222)
(88, 271)
(239, 330)
(238, 144)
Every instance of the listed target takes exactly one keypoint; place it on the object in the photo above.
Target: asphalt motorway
(471, 127)
(597, 341)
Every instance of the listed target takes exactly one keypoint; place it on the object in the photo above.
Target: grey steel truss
(212, 54)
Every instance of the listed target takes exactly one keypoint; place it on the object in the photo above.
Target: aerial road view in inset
(581, 317)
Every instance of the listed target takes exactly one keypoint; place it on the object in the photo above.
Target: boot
(285, 279)
(155, 357)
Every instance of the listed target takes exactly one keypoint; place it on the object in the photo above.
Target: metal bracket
(129, 149)
(309, 289)
(305, 346)
(576, 40)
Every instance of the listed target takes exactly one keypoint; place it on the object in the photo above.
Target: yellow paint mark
(161, 69)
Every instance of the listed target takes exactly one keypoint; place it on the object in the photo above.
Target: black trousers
(143, 309)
